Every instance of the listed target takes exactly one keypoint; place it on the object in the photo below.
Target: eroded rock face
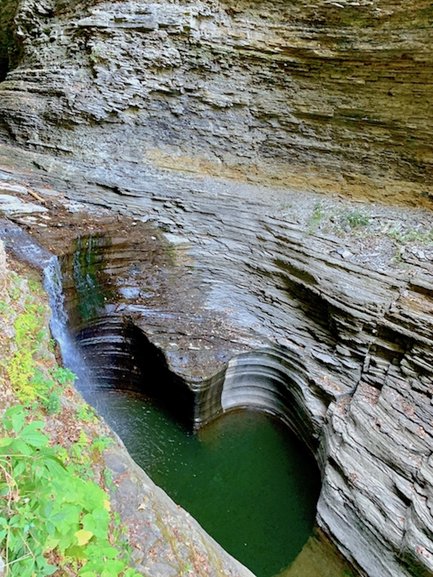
(339, 346)
(9, 48)
(333, 95)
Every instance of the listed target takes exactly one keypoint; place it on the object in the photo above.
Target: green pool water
(244, 477)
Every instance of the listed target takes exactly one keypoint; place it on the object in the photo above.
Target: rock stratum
(330, 95)
(253, 307)
(315, 308)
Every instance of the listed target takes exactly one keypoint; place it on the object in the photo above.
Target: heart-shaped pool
(244, 477)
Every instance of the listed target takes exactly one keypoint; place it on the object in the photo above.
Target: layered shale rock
(333, 95)
(253, 304)
(259, 303)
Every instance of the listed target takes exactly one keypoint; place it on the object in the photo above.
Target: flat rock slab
(15, 206)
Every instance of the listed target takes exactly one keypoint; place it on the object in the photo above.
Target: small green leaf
(36, 439)
(131, 573)
(20, 447)
(97, 522)
(32, 435)
(51, 543)
(14, 418)
(25, 568)
(54, 466)
(6, 441)
(77, 552)
(19, 469)
(4, 489)
(113, 568)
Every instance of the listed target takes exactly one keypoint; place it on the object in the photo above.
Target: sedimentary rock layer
(329, 95)
(324, 329)
(333, 95)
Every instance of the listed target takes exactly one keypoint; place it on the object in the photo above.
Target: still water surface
(244, 477)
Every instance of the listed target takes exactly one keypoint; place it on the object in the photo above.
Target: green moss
(87, 270)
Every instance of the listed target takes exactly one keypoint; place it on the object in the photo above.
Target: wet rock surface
(331, 328)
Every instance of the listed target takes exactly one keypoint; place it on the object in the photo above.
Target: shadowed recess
(121, 357)
(9, 49)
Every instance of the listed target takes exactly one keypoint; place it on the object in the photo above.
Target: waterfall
(72, 356)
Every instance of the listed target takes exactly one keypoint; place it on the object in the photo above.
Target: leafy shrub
(49, 516)
(355, 219)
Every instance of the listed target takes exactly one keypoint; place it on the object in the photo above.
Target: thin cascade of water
(71, 355)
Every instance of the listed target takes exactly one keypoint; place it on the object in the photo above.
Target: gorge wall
(330, 95)
(114, 102)
(253, 308)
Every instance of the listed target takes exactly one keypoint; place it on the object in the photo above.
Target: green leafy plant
(86, 413)
(49, 516)
(52, 404)
(29, 326)
(16, 286)
(316, 217)
(54, 517)
(408, 236)
(355, 219)
(21, 368)
(29, 379)
(63, 376)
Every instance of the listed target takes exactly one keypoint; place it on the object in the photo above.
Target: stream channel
(244, 476)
